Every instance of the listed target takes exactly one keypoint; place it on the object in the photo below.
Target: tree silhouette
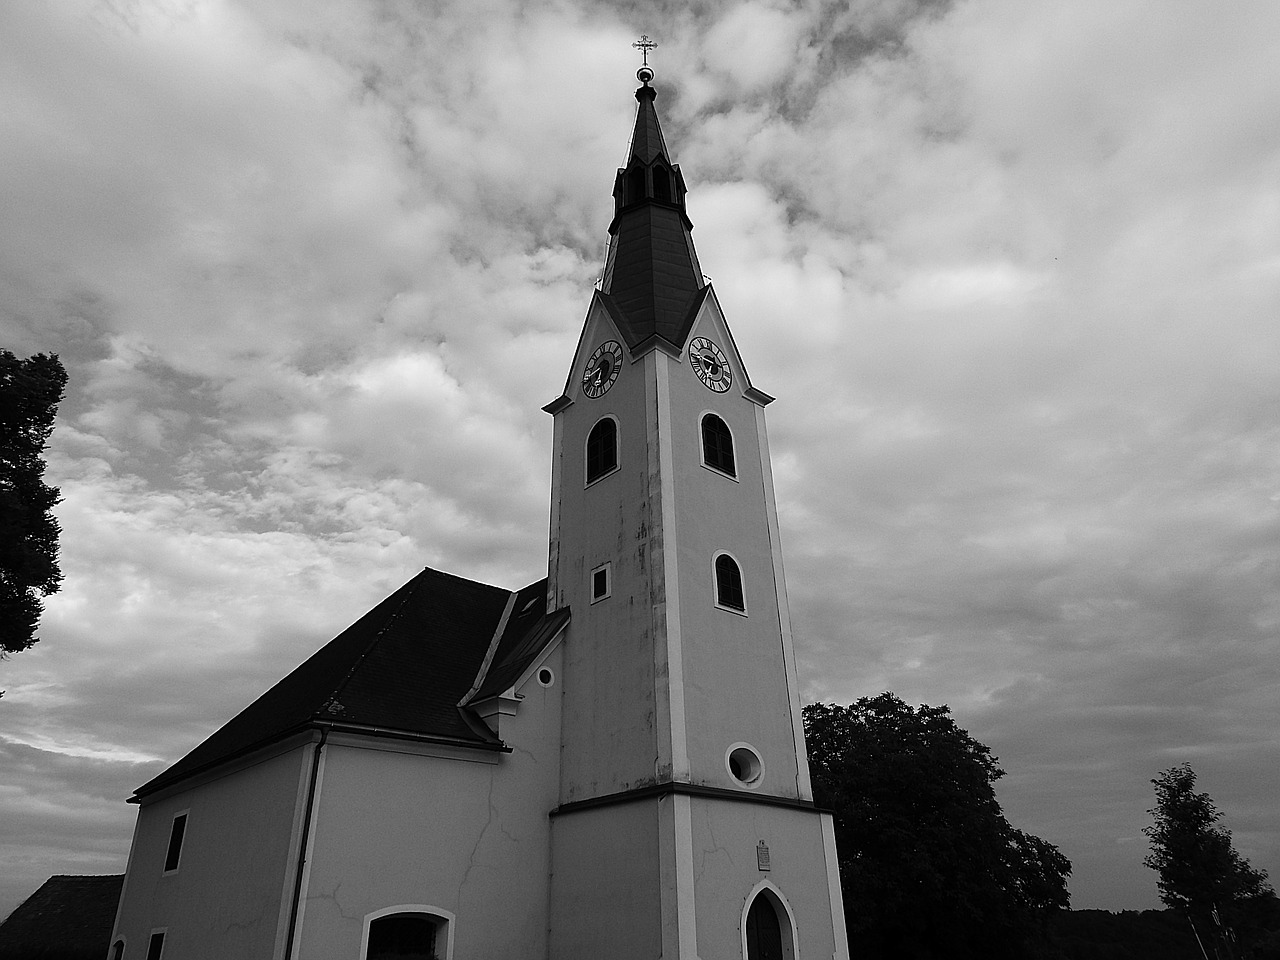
(29, 393)
(1200, 872)
(929, 865)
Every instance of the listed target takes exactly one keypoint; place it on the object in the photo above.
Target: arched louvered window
(661, 182)
(729, 584)
(602, 449)
(717, 445)
(635, 184)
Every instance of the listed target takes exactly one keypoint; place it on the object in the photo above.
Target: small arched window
(729, 584)
(117, 950)
(405, 936)
(602, 449)
(635, 184)
(661, 182)
(717, 445)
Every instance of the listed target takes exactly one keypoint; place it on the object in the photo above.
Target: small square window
(176, 833)
(601, 582)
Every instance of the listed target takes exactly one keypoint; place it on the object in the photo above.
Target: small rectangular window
(601, 587)
(155, 946)
(176, 834)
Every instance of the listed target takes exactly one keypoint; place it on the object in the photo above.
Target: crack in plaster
(333, 896)
(716, 848)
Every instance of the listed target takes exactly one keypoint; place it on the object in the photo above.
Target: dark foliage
(29, 394)
(1203, 877)
(1129, 935)
(929, 865)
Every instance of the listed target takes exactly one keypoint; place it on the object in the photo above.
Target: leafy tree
(928, 863)
(29, 394)
(1200, 872)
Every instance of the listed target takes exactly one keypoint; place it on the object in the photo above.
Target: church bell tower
(685, 826)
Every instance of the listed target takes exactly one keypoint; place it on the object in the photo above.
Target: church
(607, 764)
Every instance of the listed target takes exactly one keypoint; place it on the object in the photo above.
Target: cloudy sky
(1012, 268)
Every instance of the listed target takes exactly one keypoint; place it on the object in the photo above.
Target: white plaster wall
(734, 666)
(613, 716)
(607, 884)
(227, 897)
(468, 835)
(725, 872)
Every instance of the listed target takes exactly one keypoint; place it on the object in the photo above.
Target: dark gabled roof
(402, 668)
(665, 327)
(654, 280)
(527, 634)
(67, 917)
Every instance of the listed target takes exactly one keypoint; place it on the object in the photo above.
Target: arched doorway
(768, 932)
(764, 932)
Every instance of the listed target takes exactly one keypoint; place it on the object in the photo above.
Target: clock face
(710, 364)
(602, 369)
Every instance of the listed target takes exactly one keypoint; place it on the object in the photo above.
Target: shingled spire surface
(646, 140)
(652, 282)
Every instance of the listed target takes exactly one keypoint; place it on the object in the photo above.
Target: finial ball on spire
(644, 45)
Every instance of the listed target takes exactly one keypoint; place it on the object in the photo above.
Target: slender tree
(29, 394)
(929, 865)
(1200, 872)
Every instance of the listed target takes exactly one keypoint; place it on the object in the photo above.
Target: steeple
(652, 283)
(682, 759)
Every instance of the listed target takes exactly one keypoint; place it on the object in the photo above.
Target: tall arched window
(602, 449)
(729, 584)
(717, 445)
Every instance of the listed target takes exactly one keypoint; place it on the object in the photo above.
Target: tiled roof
(654, 285)
(401, 668)
(527, 634)
(67, 917)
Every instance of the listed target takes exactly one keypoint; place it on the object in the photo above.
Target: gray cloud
(1010, 269)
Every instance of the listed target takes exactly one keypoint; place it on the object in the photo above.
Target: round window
(744, 764)
(546, 677)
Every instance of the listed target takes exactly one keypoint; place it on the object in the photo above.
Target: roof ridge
(494, 641)
(391, 618)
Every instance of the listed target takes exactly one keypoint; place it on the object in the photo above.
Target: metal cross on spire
(644, 45)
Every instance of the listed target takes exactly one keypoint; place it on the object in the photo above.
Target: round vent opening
(744, 764)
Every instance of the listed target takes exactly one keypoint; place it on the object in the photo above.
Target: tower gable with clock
(685, 805)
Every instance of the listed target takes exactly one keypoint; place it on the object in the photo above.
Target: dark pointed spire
(652, 280)
(646, 140)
